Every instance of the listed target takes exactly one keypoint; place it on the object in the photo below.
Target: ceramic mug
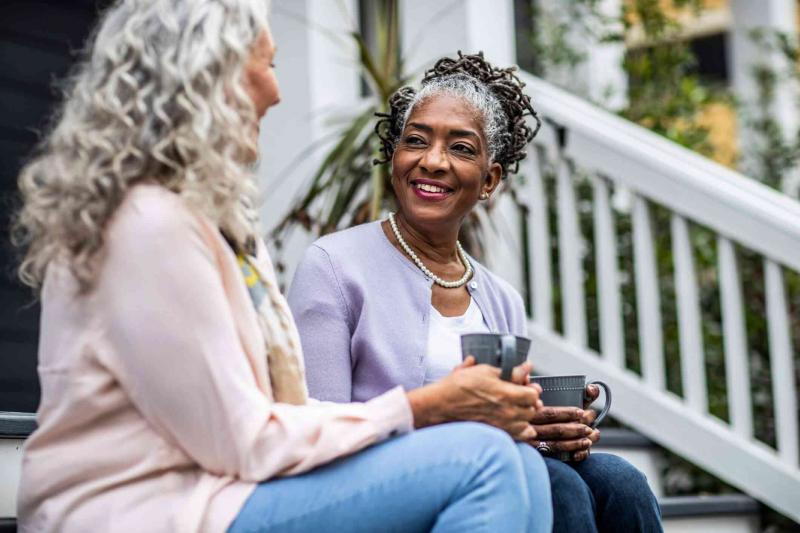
(568, 391)
(496, 349)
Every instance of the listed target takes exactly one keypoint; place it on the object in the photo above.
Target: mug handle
(508, 355)
(606, 407)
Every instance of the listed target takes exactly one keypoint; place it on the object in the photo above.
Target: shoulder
(152, 219)
(356, 240)
(150, 211)
(347, 249)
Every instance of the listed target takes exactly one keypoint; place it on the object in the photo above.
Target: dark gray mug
(496, 349)
(568, 391)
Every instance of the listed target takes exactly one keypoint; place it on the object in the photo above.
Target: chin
(429, 214)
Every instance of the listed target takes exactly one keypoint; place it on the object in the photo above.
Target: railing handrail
(702, 190)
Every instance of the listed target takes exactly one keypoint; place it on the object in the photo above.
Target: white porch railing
(615, 155)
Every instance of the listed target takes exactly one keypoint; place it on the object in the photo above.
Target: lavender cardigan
(362, 308)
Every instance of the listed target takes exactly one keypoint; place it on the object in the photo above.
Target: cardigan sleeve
(169, 326)
(320, 310)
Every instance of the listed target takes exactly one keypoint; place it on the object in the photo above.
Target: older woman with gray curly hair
(173, 389)
(385, 303)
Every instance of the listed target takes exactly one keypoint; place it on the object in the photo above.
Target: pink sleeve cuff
(391, 413)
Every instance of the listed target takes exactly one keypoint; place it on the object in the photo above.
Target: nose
(434, 160)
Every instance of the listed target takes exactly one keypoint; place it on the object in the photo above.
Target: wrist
(426, 405)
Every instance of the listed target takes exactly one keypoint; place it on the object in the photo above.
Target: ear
(494, 175)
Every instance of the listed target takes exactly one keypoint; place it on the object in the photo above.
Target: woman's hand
(568, 429)
(476, 393)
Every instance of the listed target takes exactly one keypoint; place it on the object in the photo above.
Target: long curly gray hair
(158, 96)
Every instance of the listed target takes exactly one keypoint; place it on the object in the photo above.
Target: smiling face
(441, 165)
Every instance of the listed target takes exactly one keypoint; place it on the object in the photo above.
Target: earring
(484, 195)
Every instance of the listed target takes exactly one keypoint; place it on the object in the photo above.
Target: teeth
(430, 188)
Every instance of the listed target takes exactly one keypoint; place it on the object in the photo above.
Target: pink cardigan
(152, 418)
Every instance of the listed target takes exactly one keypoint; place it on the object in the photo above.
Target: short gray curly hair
(478, 96)
(495, 93)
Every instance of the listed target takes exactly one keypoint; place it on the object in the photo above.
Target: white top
(444, 339)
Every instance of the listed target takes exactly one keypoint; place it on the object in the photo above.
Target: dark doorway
(39, 40)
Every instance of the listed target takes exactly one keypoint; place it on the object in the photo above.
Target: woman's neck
(438, 246)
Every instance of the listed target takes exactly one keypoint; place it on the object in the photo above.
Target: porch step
(14, 429)
(8, 525)
(726, 513)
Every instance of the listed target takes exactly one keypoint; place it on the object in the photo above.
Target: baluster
(612, 345)
(693, 368)
(648, 298)
(734, 340)
(570, 264)
(782, 364)
(541, 281)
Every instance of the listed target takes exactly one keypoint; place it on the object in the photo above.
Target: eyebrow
(456, 133)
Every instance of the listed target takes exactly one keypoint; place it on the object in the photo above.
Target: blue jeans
(604, 493)
(455, 477)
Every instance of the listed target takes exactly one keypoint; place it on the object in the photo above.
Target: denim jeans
(454, 477)
(604, 493)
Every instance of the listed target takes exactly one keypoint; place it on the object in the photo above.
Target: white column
(744, 55)
(600, 77)
(317, 69)
(431, 30)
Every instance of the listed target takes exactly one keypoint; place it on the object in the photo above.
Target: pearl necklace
(425, 270)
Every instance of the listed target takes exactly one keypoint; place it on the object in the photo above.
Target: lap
(374, 490)
(601, 470)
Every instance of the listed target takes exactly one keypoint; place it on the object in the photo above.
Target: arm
(175, 350)
(320, 310)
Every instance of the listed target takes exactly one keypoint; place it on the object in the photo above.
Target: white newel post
(430, 30)
(316, 65)
(768, 15)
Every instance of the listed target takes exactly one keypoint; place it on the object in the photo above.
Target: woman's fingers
(554, 415)
(568, 431)
(520, 395)
(466, 363)
(589, 416)
(575, 445)
(590, 394)
(522, 432)
(521, 373)
(577, 457)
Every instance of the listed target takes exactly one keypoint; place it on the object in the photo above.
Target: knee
(481, 437)
(608, 472)
(567, 486)
(490, 452)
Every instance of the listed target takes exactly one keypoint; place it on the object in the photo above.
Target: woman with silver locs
(385, 303)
